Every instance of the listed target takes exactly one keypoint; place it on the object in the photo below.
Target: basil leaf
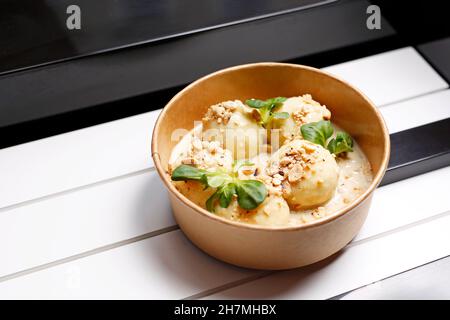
(317, 132)
(212, 200)
(226, 195)
(281, 115)
(255, 103)
(216, 179)
(251, 193)
(266, 108)
(342, 143)
(185, 172)
(275, 103)
(278, 100)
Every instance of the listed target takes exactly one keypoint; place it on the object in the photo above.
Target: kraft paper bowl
(263, 247)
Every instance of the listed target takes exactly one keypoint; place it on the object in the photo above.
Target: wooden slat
(416, 112)
(41, 168)
(354, 267)
(430, 281)
(406, 202)
(74, 159)
(151, 268)
(80, 221)
(391, 76)
(163, 267)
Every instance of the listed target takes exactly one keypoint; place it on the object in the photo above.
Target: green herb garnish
(266, 109)
(320, 132)
(342, 143)
(317, 132)
(185, 172)
(250, 193)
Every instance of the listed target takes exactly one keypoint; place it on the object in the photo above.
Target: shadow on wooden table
(282, 284)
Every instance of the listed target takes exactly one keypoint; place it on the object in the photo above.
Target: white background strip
(74, 159)
(416, 112)
(391, 76)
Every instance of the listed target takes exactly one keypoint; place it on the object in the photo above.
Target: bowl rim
(335, 215)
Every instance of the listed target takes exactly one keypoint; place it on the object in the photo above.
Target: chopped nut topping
(221, 112)
(309, 148)
(295, 174)
(285, 161)
(299, 117)
(276, 182)
(310, 106)
(188, 161)
(205, 154)
(278, 176)
(289, 169)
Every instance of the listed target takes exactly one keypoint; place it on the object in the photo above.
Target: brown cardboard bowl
(256, 246)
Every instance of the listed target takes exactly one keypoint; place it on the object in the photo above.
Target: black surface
(34, 32)
(83, 83)
(438, 54)
(417, 21)
(419, 150)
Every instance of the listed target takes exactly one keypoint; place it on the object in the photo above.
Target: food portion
(231, 123)
(301, 110)
(306, 173)
(273, 162)
(274, 211)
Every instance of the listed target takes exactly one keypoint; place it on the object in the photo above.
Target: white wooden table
(84, 214)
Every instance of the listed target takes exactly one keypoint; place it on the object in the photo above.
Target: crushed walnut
(206, 154)
(309, 106)
(221, 112)
(290, 169)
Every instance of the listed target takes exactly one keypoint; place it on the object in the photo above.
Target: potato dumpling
(274, 211)
(306, 173)
(194, 191)
(301, 110)
(232, 124)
